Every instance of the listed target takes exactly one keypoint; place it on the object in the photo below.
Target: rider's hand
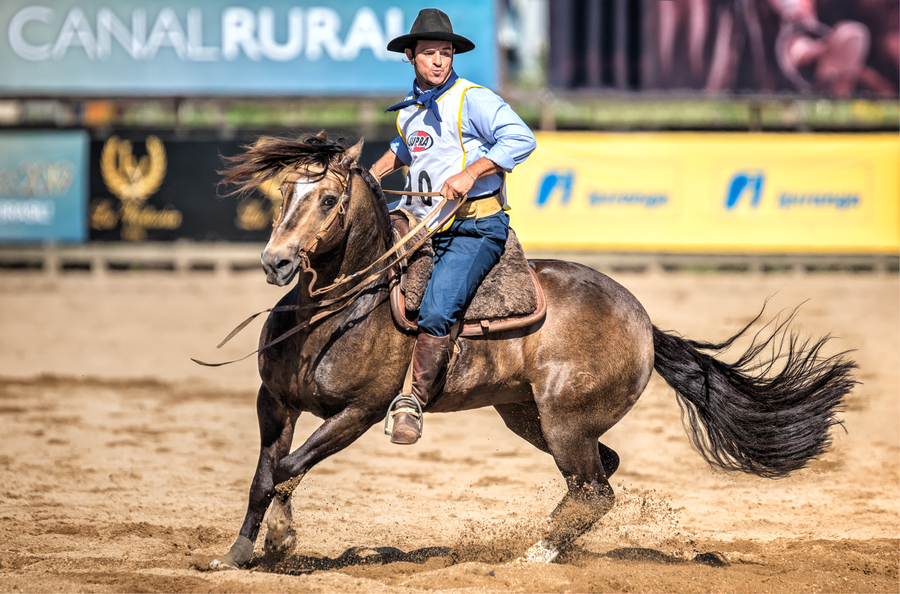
(457, 185)
(374, 174)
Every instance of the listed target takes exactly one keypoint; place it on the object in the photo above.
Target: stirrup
(405, 404)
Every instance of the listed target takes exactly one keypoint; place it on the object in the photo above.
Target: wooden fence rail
(101, 259)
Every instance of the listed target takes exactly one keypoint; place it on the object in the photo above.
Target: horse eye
(329, 201)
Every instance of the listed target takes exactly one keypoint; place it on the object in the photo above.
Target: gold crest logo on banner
(133, 181)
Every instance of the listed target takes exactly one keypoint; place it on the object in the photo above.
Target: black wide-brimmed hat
(431, 24)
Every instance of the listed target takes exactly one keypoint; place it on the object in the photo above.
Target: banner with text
(216, 47)
(709, 193)
(43, 186)
(147, 188)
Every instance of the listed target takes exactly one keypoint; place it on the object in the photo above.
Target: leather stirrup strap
(406, 390)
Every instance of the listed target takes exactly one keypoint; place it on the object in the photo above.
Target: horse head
(313, 212)
(316, 197)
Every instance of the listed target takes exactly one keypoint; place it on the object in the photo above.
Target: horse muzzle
(280, 266)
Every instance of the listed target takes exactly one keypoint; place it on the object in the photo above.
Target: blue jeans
(463, 255)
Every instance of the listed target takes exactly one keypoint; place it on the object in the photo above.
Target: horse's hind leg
(276, 430)
(589, 496)
(523, 419)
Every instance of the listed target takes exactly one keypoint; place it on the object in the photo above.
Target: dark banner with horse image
(836, 48)
(826, 48)
(152, 187)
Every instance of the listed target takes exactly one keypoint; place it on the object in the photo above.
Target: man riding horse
(462, 138)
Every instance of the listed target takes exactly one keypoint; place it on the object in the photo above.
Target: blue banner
(43, 186)
(223, 47)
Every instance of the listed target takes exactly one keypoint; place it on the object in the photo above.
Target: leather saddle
(509, 297)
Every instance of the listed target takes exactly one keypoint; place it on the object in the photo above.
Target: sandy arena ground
(125, 467)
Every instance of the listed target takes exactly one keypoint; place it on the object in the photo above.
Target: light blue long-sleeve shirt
(487, 117)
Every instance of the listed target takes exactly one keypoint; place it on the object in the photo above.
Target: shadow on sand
(358, 556)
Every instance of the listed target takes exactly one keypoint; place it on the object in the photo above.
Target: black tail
(742, 416)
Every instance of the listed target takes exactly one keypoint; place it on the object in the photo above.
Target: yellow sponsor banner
(687, 192)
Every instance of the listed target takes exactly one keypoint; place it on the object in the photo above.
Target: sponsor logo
(629, 199)
(27, 193)
(560, 183)
(26, 212)
(37, 180)
(133, 181)
(743, 183)
(839, 201)
(751, 183)
(419, 141)
(557, 182)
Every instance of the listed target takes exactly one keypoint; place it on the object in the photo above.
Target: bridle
(339, 212)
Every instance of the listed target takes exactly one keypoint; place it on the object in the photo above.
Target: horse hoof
(222, 563)
(240, 553)
(279, 536)
(539, 553)
(281, 544)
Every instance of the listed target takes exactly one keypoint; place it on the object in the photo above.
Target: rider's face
(433, 61)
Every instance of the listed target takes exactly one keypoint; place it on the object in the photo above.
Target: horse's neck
(368, 237)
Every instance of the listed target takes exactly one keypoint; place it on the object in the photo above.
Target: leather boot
(430, 359)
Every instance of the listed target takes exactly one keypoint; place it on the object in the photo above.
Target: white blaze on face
(300, 190)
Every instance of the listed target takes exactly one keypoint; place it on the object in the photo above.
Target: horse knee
(285, 481)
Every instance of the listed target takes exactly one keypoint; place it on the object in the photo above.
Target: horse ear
(323, 136)
(351, 155)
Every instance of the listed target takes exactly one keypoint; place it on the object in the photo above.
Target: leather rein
(340, 211)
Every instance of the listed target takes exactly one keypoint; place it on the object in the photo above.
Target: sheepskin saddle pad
(510, 289)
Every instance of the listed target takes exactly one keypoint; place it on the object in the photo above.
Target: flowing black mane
(273, 155)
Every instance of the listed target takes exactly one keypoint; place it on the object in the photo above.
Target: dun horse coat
(559, 384)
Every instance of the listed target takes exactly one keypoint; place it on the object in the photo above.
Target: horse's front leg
(332, 436)
(276, 430)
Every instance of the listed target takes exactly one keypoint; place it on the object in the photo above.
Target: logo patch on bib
(419, 141)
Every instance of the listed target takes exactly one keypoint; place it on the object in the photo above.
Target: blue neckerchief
(428, 99)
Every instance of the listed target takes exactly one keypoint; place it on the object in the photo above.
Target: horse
(559, 384)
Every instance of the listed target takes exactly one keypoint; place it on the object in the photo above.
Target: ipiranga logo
(745, 183)
(557, 186)
(747, 187)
